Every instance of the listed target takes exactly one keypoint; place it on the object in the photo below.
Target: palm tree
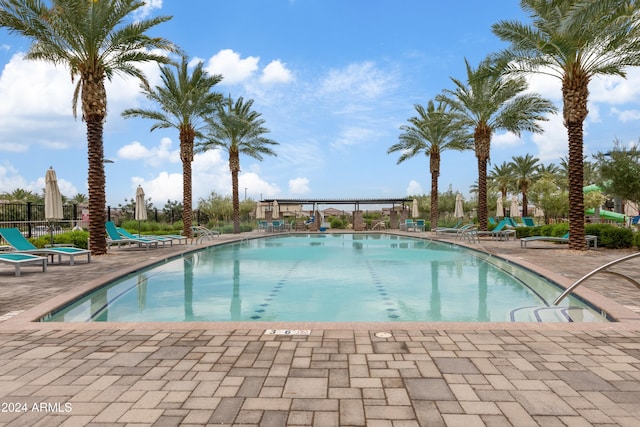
(184, 100)
(79, 199)
(237, 129)
(94, 41)
(525, 169)
(501, 176)
(431, 132)
(487, 102)
(573, 41)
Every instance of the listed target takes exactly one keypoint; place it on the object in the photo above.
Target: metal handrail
(598, 270)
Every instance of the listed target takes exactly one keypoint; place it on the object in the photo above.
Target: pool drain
(383, 334)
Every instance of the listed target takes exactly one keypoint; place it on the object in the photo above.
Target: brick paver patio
(427, 374)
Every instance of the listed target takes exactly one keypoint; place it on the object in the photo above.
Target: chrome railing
(601, 269)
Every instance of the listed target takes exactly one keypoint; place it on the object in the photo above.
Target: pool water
(329, 277)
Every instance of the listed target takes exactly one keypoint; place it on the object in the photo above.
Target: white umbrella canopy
(52, 196)
(515, 208)
(141, 209)
(415, 212)
(500, 208)
(459, 210)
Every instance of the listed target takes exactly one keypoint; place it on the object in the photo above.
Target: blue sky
(333, 79)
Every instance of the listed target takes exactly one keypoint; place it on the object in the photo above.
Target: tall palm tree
(432, 131)
(237, 129)
(501, 177)
(488, 102)
(184, 100)
(573, 41)
(525, 169)
(96, 41)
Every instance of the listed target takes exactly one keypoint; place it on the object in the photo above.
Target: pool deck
(424, 374)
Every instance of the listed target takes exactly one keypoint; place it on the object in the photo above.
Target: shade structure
(141, 209)
(499, 208)
(415, 212)
(459, 210)
(590, 188)
(52, 196)
(515, 208)
(276, 209)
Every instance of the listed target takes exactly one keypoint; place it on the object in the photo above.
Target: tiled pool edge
(27, 320)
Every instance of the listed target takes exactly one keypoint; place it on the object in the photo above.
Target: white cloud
(299, 186)
(10, 179)
(414, 188)
(614, 89)
(276, 72)
(547, 86)
(234, 69)
(352, 136)
(255, 186)
(363, 79)
(154, 156)
(146, 10)
(626, 115)
(506, 140)
(552, 144)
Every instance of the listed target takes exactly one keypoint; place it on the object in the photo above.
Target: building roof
(347, 201)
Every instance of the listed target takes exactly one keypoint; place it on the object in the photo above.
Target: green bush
(79, 238)
(611, 236)
(337, 223)
(636, 239)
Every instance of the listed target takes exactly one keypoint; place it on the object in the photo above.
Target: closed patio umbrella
(515, 208)
(276, 210)
(141, 209)
(500, 208)
(459, 210)
(415, 213)
(52, 199)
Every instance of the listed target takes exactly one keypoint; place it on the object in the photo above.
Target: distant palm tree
(184, 99)
(573, 41)
(79, 199)
(501, 177)
(237, 129)
(487, 102)
(525, 170)
(432, 131)
(21, 195)
(93, 39)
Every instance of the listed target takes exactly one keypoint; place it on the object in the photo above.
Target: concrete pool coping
(623, 317)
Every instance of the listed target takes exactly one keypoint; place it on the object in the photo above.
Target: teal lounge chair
(502, 231)
(115, 238)
(453, 229)
(419, 225)
(124, 233)
(408, 225)
(20, 244)
(528, 221)
(564, 239)
(18, 259)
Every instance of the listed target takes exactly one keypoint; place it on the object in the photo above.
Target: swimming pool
(329, 277)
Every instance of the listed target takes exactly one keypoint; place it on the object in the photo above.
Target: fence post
(29, 219)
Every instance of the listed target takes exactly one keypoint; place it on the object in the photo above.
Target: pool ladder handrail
(602, 269)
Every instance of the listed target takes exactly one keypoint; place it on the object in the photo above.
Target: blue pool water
(329, 277)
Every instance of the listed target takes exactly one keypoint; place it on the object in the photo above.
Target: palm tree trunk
(482, 194)
(234, 166)
(434, 166)
(187, 203)
(97, 198)
(576, 195)
(94, 110)
(482, 145)
(525, 202)
(575, 92)
(187, 137)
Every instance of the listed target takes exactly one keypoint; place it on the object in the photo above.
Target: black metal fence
(30, 218)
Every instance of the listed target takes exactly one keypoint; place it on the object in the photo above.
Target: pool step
(542, 314)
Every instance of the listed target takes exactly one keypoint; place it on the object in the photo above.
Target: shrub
(78, 238)
(611, 236)
(336, 223)
(636, 239)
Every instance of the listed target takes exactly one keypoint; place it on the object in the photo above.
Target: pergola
(356, 202)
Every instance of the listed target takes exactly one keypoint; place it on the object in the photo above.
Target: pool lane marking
(382, 291)
(259, 312)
